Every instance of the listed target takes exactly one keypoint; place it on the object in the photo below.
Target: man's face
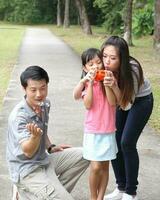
(36, 92)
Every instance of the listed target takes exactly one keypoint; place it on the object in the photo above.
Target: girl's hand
(91, 75)
(109, 80)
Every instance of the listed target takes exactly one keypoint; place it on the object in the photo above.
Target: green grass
(10, 39)
(77, 39)
(142, 50)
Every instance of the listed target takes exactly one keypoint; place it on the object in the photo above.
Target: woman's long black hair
(125, 73)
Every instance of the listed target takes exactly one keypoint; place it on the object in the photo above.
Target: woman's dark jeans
(129, 127)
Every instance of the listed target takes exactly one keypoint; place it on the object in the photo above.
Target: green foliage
(27, 11)
(109, 13)
(95, 14)
(112, 11)
(23, 12)
(143, 19)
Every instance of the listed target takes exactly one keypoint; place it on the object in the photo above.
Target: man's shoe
(129, 197)
(115, 195)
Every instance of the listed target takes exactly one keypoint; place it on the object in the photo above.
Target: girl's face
(94, 63)
(111, 58)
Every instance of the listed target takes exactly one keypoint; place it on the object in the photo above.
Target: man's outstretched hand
(34, 130)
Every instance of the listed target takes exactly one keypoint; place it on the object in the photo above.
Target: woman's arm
(111, 82)
(110, 96)
(116, 91)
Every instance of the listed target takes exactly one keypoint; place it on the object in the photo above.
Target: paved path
(40, 47)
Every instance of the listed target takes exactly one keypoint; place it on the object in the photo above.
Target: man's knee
(47, 192)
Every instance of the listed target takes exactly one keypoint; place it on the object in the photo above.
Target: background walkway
(40, 47)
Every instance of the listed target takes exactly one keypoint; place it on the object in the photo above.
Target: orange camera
(100, 75)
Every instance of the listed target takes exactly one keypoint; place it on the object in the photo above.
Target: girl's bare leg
(103, 179)
(94, 179)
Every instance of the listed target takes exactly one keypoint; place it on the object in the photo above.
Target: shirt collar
(28, 108)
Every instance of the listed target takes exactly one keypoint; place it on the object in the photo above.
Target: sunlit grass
(10, 39)
(142, 50)
(77, 39)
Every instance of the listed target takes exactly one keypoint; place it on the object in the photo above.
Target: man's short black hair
(34, 73)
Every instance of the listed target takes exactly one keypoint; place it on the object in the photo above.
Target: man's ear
(24, 89)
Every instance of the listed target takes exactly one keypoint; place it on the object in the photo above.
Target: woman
(135, 103)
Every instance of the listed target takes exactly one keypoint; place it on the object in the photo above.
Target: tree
(112, 15)
(66, 14)
(59, 17)
(128, 22)
(86, 27)
(143, 17)
(156, 42)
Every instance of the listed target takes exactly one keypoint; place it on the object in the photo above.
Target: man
(39, 174)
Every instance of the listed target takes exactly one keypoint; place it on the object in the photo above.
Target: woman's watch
(50, 148)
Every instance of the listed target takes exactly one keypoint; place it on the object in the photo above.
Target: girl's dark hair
(88, 55)
(125, 74)
(35, 73)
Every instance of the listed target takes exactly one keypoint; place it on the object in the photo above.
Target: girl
(134, 96)
(99, 126)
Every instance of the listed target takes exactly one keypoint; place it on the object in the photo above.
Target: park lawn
(142, 50)
(10, 40)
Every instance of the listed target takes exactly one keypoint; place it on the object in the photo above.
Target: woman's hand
(109, 80)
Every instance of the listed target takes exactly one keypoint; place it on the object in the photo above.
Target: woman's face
(111, 58)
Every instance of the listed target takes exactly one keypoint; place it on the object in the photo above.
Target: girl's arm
(77, 92)
(88, 97)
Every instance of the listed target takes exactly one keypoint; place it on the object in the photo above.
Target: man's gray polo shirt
(19, 164)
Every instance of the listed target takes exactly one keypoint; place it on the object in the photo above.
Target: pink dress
(99, 128)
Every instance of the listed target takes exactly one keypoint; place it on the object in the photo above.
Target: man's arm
(56, 148)
(30, 146)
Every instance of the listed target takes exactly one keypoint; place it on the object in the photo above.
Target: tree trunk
(156, 41)
(86, 27)
(66, 14)
(128, 22)
(59, 17)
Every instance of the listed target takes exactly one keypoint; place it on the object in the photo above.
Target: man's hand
(60, 147)
(34, 130)
(30, 146)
